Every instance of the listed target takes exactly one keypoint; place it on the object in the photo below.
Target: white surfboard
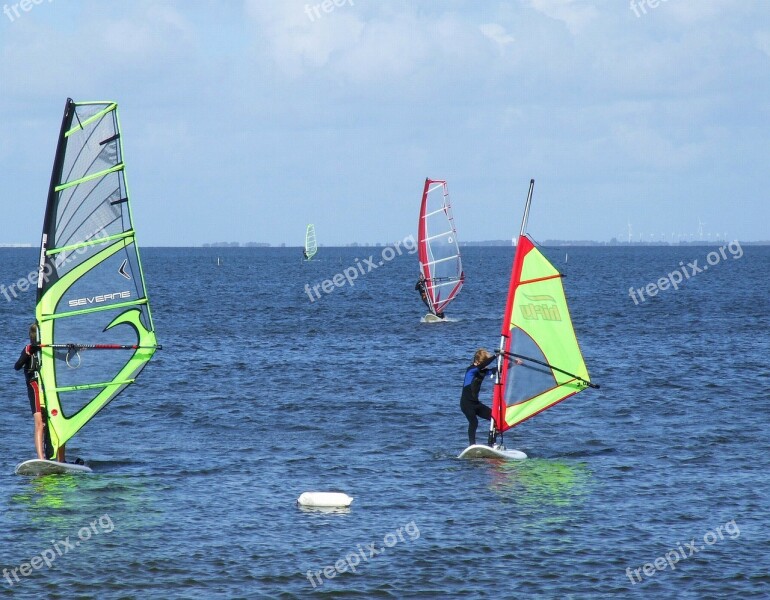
(484, 451)
(49, 467)
(431, 318)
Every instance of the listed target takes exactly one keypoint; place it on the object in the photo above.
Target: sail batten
(438, 249)
(82, 124)
(90, 242)
(86, 311)
(451, 282)
(70, 184)
(439, 235)
(546, 278)
(439, 261)
(435, 212)
(91, 288)
(92, 386)
(540, 362)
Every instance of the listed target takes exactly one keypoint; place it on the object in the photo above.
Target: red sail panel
(422, 246)
(523, 245)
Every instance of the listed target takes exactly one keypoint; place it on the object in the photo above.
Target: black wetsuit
(469, 401)
(420, 287)
(28, 362)
(31, 364)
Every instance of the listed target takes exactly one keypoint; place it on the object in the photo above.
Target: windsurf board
(37, 467)
(484, 451)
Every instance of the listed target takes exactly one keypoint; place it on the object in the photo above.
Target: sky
(245, 120)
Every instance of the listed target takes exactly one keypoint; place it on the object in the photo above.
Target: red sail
(438, 250)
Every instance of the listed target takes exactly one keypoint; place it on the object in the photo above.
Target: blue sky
(244, 121)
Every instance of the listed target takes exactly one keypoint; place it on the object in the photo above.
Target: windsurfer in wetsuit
(420, 287)
(469, 400)
(29, 362)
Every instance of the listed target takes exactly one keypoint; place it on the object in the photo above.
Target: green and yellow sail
(96, 330)
(540, 363)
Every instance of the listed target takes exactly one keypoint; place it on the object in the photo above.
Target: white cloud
(296, 40)
(246, 93)
(497, 34)
(363, 44)
(575, 14)
(146, 39)
(148, 35)
(711, 10)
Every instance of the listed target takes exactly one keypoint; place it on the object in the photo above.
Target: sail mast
(422, 244)
(56, 174)
(498, 402)
(525, 218)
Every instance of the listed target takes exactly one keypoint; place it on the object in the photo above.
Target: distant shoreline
(500, 243)
(482, 244)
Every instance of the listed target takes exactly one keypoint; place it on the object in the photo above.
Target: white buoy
(324, 499)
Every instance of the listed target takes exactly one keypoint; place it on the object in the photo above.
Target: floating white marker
(324, 499)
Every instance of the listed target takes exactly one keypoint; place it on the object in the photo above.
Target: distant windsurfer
(420, 287)
(304, 254)
(29, 362)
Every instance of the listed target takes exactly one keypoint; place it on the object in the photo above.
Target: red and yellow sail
(540, 362)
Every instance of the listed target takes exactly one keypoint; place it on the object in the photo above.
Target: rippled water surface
(260, 394)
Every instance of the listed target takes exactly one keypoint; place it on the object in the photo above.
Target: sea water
(656, 485)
